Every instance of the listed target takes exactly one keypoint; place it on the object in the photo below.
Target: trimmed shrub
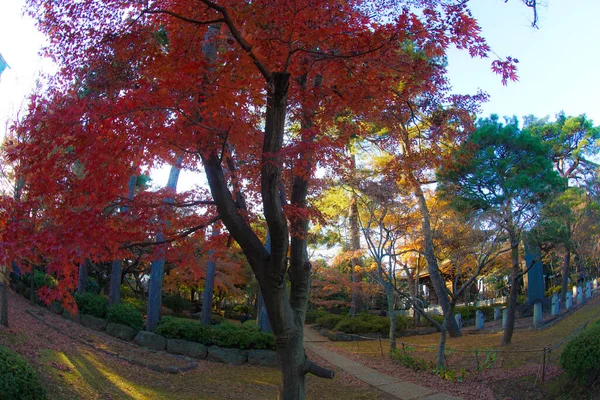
(581, 357)
(329, 321)
(313, 315)
(18, 379)
(181, 328)
(92, 304)
(176, 303)
(125, 314)
(243, 336)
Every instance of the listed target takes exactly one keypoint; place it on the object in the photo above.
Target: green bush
(139, 305)
(92, 304)
(181, 328)
(581, 357)
(469, 312)
(243, 336)
(92, 286)
(18, 379)
(364, 323)
(176, 303)
(329, 321)
(313, 315)
(242, 309)
(125, 314)
(40, 279)
(437, 318)
(216, 319)
(550, 292)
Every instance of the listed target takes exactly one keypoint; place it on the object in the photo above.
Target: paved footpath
(389, 384)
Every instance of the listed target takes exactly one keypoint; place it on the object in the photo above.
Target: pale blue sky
(559, 64)
(558, 67)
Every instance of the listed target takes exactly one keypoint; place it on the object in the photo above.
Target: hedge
(125, 314)
(243, 336)
(92, 304)
(581, 357)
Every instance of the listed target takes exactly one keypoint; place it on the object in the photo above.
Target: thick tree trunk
(4, 301)
(286, 312)
(114, 296)
(83, 277)
(514, 291)
(116, 272)
(157, 267)
(434, 273)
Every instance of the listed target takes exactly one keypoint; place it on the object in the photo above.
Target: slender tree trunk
(209, 284)
(83, 277)
(565, 274)
(392, 317)
(434, 273)
(4, 300)
(514, 291)
(354, 245)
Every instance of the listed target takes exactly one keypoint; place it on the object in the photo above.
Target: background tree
(506, 173)
(573, 141)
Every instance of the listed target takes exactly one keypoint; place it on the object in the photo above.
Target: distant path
(389, 384)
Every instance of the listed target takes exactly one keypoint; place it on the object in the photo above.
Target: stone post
(504, 317)
(579, 294)
(537, 314)
(479, 319)
(555, 305)
(458, 319)
(588, 290)
(569, 301)
(497, 313)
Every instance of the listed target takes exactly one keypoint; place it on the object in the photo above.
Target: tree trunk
(391, 316)
(286, 312)
(114, 296)
(83, 276)
(434, 273)
(4, 300)
(565, 274)
(116, 271)
(209, 284)
(157, 267)
(32, 288)
(514, 291)
(354, 245)
(441, 359)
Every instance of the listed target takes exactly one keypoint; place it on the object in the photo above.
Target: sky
(559, 63)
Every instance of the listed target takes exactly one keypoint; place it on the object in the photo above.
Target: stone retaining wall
(153, 341)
